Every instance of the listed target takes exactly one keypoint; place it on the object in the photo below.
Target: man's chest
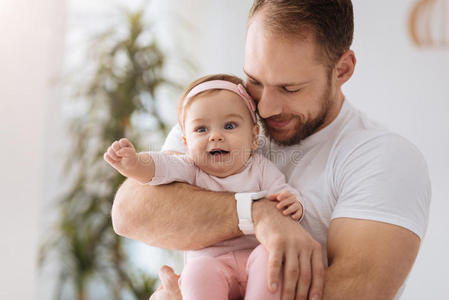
(311, 173)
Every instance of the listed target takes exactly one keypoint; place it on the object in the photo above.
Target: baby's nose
(216, 136)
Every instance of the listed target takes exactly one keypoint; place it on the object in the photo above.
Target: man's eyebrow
(278, 84)
(296, 83)
(249, 75)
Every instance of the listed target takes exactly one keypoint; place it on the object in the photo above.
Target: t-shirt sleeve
(384, 179)
(170, 168)
(273, 181)
(173, 142)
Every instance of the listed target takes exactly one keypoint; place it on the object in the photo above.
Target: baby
(220, 132)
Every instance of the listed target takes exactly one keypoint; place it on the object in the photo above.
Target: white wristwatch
(244, 202)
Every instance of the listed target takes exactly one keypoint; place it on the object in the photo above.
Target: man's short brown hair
(331, 21)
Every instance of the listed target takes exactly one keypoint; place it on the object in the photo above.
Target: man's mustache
(281, 118)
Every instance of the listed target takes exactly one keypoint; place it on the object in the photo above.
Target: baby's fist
(121, 155)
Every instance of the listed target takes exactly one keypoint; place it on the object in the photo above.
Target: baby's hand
(122, 156)
(288, 203)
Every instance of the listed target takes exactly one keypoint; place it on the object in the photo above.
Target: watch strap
(244, 204)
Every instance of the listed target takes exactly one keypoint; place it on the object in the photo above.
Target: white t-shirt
(352, 168)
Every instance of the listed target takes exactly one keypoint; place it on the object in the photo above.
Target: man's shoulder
(354, 138)
(359, 131)
(370, 139)
(376, 145)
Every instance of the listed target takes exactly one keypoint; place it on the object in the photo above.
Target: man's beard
(302, 129)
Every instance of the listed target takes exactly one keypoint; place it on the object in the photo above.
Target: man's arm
(291, 250)
(367, 259)
(175, 216)
(181, 216)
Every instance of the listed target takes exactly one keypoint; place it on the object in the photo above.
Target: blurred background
(77, 74)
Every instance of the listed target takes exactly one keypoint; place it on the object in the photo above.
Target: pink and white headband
(222, 85)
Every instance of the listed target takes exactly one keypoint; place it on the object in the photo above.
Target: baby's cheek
(193, 151)
(197, 152)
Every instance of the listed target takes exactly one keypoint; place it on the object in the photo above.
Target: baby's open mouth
(218, 152)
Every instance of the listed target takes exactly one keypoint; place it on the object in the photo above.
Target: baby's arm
(122, 156)
(274, 182)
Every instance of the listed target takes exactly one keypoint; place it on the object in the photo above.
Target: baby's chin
(221, 168)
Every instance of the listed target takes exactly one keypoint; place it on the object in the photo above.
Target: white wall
(407, 89)
(31, 39)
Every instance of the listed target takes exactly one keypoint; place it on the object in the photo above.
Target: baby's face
(219, 133)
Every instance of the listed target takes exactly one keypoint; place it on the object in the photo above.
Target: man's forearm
(367, 259)
(175, 216)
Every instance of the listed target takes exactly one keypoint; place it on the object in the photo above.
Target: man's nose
(216, 136)
(268, 104)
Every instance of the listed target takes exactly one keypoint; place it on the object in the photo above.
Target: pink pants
(233, 275)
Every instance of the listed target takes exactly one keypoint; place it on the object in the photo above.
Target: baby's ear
(256, 131)
(184, 140)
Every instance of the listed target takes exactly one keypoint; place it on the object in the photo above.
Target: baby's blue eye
(201, 129)
(230, 125)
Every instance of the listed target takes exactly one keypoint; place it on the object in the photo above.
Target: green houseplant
(128, 70)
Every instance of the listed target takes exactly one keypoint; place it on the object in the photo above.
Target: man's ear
(255, 142)
(345, 67)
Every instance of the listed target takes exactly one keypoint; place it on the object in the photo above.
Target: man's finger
(274, 269)
(316, 290)
(291, 272)
(305, 276)
(169, 279)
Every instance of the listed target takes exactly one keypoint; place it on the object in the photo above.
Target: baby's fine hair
(227, 77)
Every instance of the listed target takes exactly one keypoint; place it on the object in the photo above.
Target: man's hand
(292, 249)
(169, 289)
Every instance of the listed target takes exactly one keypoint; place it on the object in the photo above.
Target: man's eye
(290, 90)
(253, 82)
(230, 125)
(201, 129)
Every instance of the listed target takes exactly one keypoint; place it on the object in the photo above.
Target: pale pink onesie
(234, 268)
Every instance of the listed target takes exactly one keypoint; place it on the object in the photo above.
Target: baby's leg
(204, 278)
(257, 268)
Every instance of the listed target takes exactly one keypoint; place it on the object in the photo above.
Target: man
(366, 190)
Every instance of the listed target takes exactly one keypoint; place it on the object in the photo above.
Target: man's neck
(333, 111)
